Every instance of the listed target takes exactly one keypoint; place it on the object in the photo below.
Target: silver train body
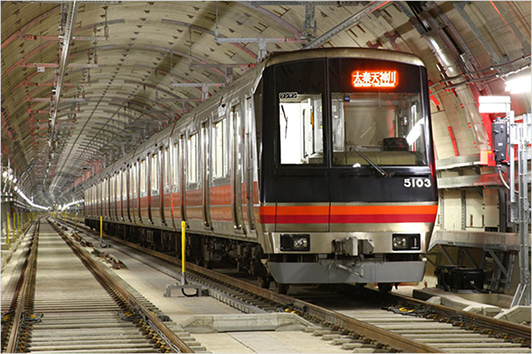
(313, 167)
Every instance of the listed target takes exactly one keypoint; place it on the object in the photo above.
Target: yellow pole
(7, 233)
(101, 228)
(183, 225)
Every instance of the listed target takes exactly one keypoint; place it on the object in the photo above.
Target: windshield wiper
(372, 164)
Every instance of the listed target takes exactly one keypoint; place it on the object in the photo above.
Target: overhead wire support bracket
(204, 87)
(67, 38)
(349, 22)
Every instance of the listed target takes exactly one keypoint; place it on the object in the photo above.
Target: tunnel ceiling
(85, 82)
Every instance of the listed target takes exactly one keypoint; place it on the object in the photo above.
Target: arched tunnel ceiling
(124, 59)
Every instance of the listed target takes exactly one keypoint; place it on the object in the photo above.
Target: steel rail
(472, 319)
(468, 320)
(329, 317)
(102, 274)
(332, 318)
(27, 277)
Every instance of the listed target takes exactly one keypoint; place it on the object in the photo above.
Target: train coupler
(352, 246)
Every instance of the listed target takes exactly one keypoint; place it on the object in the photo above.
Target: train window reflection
(175, 165)
(166, 182)
(154, 178)
(387, 128)
(133, 181)
(219, 139)
(301, 128)
(143, 180)
(192, 163)
(124, 185)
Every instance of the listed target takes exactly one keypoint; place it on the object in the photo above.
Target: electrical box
(499, 133)
(453, 277)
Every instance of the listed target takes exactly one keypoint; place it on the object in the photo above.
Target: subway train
(315, 166)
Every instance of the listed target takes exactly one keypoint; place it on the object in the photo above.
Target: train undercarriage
(246, 257)
(204, 250)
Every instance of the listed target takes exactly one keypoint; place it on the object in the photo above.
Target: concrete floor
(181, 309)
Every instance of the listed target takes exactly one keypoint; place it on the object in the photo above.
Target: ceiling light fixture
(519, 84)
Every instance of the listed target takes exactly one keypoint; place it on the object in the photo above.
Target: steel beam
(258, 40)
(71, 20)
(347, 23)
(54, 65)
(32, 37)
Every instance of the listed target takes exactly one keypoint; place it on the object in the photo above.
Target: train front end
(347, 181)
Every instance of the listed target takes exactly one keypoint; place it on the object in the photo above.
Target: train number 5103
(417, 183)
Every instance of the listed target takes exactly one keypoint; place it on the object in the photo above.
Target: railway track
(67, 302)
(403, 324)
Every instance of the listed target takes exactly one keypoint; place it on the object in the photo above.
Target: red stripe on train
(380, 218)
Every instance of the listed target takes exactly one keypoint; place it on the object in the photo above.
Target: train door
(175, 166)
(143, 192)
(206, 173)
(167, 206)
(128, 191)
(236, 171)
(219, 181)
(193, 194)
(154, 192)
(112, 197)
(132, 202)
(99, 201)
(125, 201)
(118, 196)
(248, 184)
(106, 198)
(298, 180)
(182, 177)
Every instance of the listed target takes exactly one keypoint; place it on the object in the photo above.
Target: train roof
(345, 52)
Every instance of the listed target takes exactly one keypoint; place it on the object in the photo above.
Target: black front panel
(347, 188)
(294, 98)
(299, 103)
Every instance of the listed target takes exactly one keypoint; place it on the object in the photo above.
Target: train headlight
(301, 243)
(291, 242)
(401, 242)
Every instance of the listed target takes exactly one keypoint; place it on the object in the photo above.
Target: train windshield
(386, 128)
(377, 113)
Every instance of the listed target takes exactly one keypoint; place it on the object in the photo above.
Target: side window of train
(116, 186)
(174, 165)
(105, 190)
(124, 185)
(219, 146)
(143, 180)
(192, 158)
(167, 169)
(132, 181)
(112, 188)
(154, 176)
(118, 190)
